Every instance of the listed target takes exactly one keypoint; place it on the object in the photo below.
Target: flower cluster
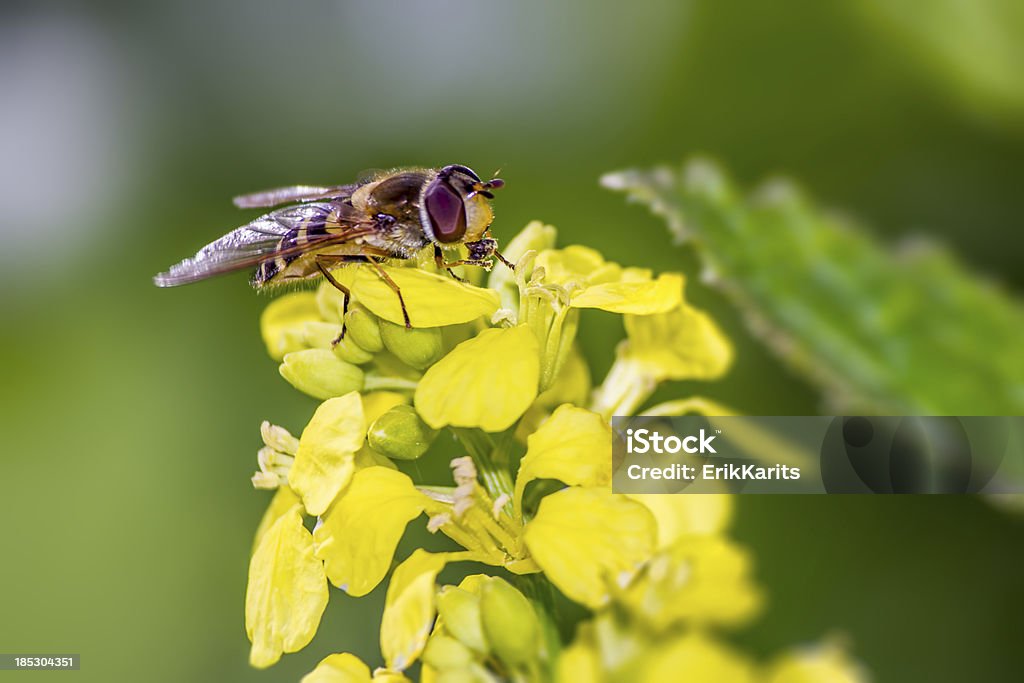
(491, 380)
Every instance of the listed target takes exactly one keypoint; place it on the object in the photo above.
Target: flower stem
(379, 383)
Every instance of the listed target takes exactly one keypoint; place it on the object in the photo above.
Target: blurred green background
(129, 415)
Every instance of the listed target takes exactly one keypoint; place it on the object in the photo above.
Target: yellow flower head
(493, 382)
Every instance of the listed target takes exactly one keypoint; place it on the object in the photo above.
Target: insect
(390, 215)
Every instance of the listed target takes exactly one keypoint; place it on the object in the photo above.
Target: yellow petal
(574, 263)
(586, 539)
(342, 668)
(387, 676)
(327, 448)
(573, 446)
(431, 300)
(572, 385)
(320, 373)
(579, 663)
(409, 608)
(635, 297)
(681, 344)
(358, 535)
(287, 591)
(699, 580)
(282, 321)
(488, 381)
(686, 515)
(284, 500)
(697, 659)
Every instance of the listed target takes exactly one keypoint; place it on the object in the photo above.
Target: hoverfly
(391, 215)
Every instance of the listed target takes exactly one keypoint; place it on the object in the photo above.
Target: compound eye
(447, 214)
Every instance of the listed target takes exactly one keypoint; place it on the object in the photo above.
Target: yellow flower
(593, 282)
(357, 536)
(409, 609)
(431, 300)
(287, 591)
(574, 446)
(646, 565)
(698, 580)
(326, 457)
(588, 540)
(683, 343)
(488, 381)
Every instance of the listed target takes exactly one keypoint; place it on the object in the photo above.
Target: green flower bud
(418, 347)
(444, 652)
(362, 326)
(321, 374)
(349, 351)
(460, 613)
(400, 433)
(510, 624)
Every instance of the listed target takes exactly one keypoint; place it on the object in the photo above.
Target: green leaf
(880, 329)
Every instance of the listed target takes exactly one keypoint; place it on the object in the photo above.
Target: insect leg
(319, 260)
(391, 283)
(439, 261)
(510, 266)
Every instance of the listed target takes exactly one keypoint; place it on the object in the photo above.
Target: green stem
(380, 383)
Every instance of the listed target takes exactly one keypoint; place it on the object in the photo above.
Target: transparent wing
(291, 230)
(295, 193)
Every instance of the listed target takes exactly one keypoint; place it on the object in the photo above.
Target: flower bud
(418, 347)
(362, 326)
(460, 613)
(509, 622)
(444, 652)
(400, 433)
(349, 351)
(321, 374)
